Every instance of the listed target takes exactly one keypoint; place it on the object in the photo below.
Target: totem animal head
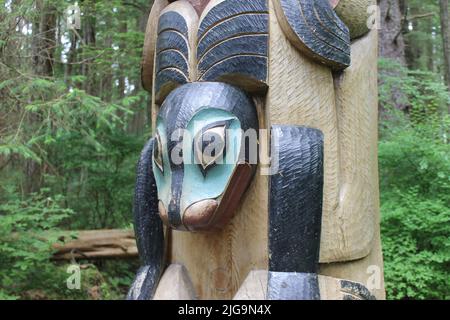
(204, 62)
(201, 163)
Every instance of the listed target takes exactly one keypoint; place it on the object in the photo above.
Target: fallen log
(95, 244)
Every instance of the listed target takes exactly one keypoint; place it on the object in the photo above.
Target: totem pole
(261, 179)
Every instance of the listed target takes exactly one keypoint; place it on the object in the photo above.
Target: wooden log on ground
(96, 244)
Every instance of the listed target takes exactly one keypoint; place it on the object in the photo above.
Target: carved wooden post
(296, 79)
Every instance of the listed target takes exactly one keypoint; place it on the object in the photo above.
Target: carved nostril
(163, 213)
(199, 214)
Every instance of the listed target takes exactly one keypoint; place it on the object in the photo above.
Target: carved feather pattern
(172, 52)
(233, 44)
(313, 27)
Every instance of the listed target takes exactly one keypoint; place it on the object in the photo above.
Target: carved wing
(313, 27)
(232, 43)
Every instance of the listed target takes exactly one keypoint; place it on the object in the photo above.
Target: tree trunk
(89, 42)
(123, 27)
(445, 31)
(106, 82)
(71, 56)
(44, 43)
(140, 119)
(391, 42)
(96, 244)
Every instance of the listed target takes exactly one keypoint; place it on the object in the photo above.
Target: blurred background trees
(414, 152)
(74, 117)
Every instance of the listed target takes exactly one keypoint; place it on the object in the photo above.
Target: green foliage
(422, 92)
(28, 229)
(414, 159)
(24, 263)
(83, 126)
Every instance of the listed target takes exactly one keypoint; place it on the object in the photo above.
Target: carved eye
(209, 147)
(157, 153)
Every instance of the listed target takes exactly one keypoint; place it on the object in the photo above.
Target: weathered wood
(95, 244)
(315, 29)
(356, 15)
(151, 33)
(175, 284)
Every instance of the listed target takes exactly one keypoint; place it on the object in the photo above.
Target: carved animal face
(200, 161)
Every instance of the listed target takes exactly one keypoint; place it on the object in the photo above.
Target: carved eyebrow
(216, 124)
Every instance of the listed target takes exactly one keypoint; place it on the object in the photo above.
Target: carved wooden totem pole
(285, 205)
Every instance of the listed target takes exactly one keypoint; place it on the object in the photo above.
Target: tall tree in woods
(43, 52)
(445, 33)
(391, 42)
(72, 115)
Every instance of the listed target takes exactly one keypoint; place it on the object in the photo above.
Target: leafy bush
(415, 209)
(414, 159)
(28, 229)
(24, 263)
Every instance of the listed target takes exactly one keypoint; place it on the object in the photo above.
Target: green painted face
(205, 172)
(198, 183)
(200, 167)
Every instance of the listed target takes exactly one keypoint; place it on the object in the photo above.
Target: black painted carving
(295, 205)
(148, 229)
(293, 286)
(172, 59)
(246, 24)
(320, 31)
(230, 8)
(355, 291)
(172, 54)
(172, 21)
(233, 44)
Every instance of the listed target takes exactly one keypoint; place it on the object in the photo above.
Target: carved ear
(313, 27)
(232, 43)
